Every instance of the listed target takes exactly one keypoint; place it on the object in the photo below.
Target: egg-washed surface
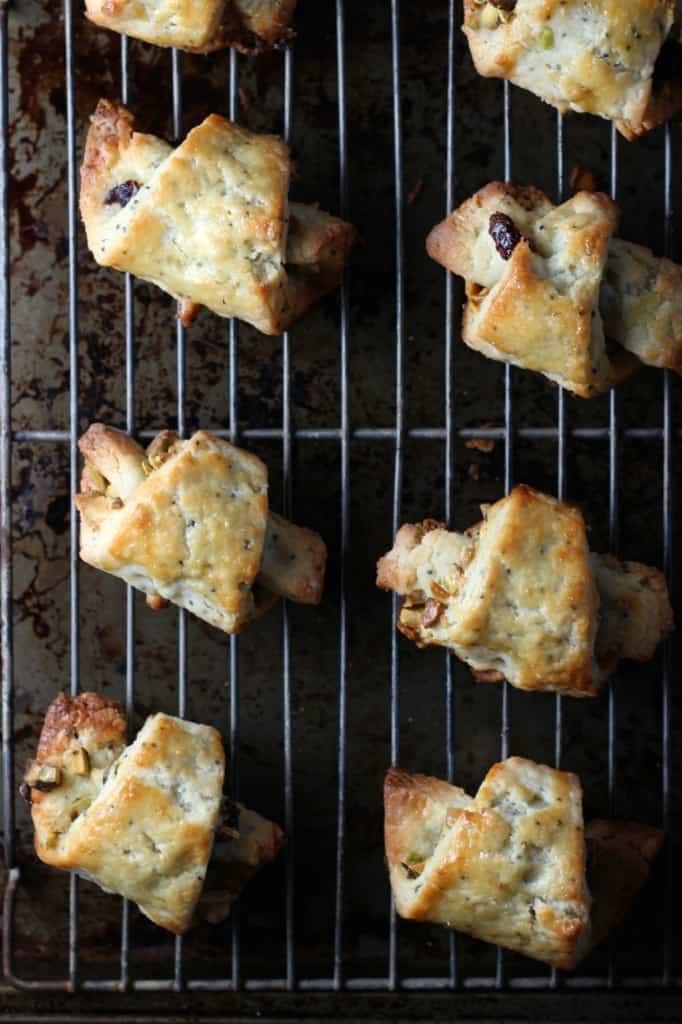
(248, 25)
(144, 828)
(511, 865)
(507, 866)
(584, 55)
(208, 221)
(560, 295)
(192, 531)
(521, 598)
(41, 505)
(188, 522)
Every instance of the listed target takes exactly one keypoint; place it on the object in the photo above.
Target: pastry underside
(641, 304)
(665, 96)
(142, 821)
(511, 866)
(250, 26)
(188, 522)
(605, 58)
(209, 222)
(564, 298)
(520, 597)
(243, 845)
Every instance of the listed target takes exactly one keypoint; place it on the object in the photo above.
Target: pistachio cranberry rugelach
(513, 865)
(248, 25)
(550, 289)
(188, 522)
(520, 596)
(619, 59)
(142, 820)
(210, 221)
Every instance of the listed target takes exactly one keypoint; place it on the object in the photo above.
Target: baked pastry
(520, 597)
(188, 522)
(209, 221)
(549, 289)
(249, 25)
(513, 865)
(243, 844)
(607, 58)
(641, 304)
(140, 820)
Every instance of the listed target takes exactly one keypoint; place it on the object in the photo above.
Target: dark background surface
(42, 510)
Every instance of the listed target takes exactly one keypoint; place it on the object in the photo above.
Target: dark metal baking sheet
(618, 458)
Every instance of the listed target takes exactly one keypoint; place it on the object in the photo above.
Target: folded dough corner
(619, 60)
(210, 221)
(142, 820)
(188, 522)
(513, 865)
(250, 26)
(520, 596)
(549, 288)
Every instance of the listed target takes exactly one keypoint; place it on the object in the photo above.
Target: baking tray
(366, 413)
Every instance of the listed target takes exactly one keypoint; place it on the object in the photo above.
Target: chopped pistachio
(80, 761)
(490, 16)
(440, 593)
(546, 38)
(432, 613)
(43, 777)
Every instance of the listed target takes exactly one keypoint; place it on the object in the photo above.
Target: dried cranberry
(504, 234)
(122, 193)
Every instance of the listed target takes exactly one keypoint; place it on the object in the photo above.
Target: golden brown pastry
(249, 25)
(188, 522)
(605, 57)
(210, 221)
(550, 289)
(520, 597)
(139, 820)
(513, 865)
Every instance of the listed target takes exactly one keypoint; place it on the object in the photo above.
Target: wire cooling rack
(395, 437)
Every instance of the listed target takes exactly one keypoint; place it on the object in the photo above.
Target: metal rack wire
(397, 435)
